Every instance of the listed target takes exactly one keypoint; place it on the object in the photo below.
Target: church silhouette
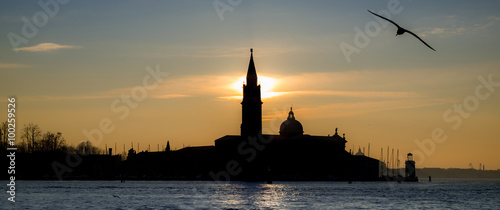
(291, 155)
(250, 156)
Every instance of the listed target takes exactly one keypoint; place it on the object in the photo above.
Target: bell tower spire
(251, 73)
(251, 125)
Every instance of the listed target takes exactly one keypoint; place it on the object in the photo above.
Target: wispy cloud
(459, 30)
(218, 52)
(489, 22)
(47, 47)
(444, 31)
(62, 98)
(109, 94)
(494, 18)
(351, 94)
(169, 96)
(363, 94)
(335, 110)
(12, 66)
(116, 93)
(354, 86)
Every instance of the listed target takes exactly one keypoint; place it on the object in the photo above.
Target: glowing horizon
(267, 85)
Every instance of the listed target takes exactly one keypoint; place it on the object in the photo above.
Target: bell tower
(251, 124)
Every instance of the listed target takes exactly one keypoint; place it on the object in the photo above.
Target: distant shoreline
(423, 173)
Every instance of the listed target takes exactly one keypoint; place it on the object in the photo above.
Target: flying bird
(401, 30)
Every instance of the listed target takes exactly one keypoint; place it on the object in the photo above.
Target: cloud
(494, 18)
(320, 87)
(62, 98)
(455, 30)
(356, 94)
(343, 109)
(115, 93)
(444, 31)
(12, 66)
(168, 96)
(351, 94)
(47, 47)
(218, 52)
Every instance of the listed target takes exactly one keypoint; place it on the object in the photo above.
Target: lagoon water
(454, 194)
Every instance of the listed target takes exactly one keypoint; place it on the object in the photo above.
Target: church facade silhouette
(291, 155)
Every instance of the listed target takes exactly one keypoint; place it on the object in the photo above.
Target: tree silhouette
(4, 135)
(31, 133)
(51, 142)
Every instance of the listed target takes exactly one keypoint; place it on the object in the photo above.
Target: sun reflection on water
(257, 194)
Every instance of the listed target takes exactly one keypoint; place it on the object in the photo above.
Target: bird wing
(419, 39)
(385, 18)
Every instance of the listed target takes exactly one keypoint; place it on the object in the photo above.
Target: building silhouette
(291, 155)
(251, 123)
(250, 156)
(410, 170)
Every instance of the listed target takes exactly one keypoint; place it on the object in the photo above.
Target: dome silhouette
(291, 127)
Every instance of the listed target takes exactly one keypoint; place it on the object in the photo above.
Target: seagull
(402, 30)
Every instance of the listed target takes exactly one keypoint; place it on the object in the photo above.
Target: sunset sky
(83, 57)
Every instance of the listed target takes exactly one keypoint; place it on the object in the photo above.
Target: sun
(267, 84)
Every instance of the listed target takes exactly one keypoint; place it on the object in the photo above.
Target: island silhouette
(250, 156)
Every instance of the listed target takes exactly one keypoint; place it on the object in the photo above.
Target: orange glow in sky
(379, 89)
(268, 84)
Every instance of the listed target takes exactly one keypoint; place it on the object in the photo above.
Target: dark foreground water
(454, 194)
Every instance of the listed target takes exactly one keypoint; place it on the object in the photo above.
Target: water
(454, 194)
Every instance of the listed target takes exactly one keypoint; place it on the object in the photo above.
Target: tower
(251, 122)
(410, 172)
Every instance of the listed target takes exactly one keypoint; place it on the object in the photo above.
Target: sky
(149, 72)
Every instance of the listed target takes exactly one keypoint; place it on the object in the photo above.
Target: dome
(291, 127)
(359, 153)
